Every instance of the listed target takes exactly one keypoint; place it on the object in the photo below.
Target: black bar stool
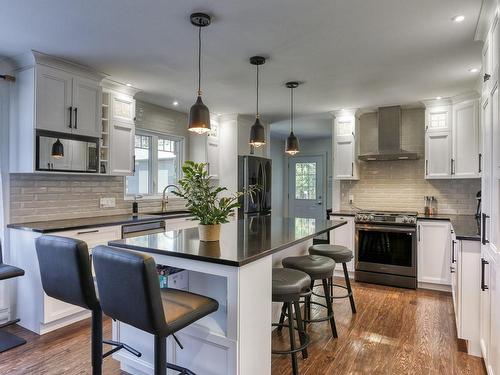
(318, 268)
(288, 287)
(122, 275)
(340, 254)
(8, 340)
(66, 275)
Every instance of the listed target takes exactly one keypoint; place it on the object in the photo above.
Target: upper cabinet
(345, 145)
(452, 145)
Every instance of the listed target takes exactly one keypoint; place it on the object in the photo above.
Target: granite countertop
(242, 241)
(95, 221)
(466, 227)
(344, 212)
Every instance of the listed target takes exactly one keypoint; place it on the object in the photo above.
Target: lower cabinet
(344, 236)
(434, 252)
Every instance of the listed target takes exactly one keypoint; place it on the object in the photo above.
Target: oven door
(386, 249)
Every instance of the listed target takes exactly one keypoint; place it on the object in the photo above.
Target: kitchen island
(236, 271)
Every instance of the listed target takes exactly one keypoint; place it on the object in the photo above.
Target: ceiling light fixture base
(257, 60)
(200, 19)
(292, 84)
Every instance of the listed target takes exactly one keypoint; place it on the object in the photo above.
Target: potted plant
(205, 201)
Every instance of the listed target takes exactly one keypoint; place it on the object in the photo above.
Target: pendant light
(57, 150)
(199, 115)
(292, 142)
(257, 132)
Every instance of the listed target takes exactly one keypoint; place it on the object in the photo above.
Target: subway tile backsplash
(400, 185)
(37, 197)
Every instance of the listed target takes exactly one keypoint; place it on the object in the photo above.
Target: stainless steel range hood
(389, 137)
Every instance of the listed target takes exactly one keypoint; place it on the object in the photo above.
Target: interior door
(306, 191)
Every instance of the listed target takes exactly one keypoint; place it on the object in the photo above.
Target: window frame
(153, 163)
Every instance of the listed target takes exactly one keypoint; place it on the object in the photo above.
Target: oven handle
(383, 228)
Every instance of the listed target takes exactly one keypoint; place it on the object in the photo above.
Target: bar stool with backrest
(288, 286)
(340, 254)
(66, 275)
(318, 268)
(126, 277)
(8, 340)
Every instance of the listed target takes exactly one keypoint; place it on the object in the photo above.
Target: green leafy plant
(204, 200)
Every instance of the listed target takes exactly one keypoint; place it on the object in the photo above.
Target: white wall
(277, 147)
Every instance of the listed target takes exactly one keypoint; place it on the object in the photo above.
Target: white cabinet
(433, 252)
(205, 149)
(452, 138)
(345, 146)
(465, 160)
(485, 303)
(344, 236)
(66, 102)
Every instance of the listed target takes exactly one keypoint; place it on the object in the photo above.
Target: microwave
(75, 153)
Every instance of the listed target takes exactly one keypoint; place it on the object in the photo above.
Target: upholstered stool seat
(340, 254)
(288, 286)
(317, 267)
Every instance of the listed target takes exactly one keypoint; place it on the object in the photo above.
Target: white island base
(235, 340)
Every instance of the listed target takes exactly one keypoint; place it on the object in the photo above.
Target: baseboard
(49, 327)
(432, 286)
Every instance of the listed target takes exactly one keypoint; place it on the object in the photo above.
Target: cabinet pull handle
(88, 231)
(76, 118)
(352, 169)
(133, 163)
(418, 233)
(486, 77)
(484, 240)
(426, 167)
(452, 166)
(484, 262)
(480, 162)
(70, 117)
(453, 260)
(452, 270)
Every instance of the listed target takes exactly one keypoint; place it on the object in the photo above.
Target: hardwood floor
(395, 331)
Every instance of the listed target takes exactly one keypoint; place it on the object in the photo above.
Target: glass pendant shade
(257, 134)
(292, 144)
(57, 149)
(199, 117)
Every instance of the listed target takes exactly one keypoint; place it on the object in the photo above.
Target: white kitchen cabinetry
(205, 149)
(344, 236)
(345, 145)
(121, 149)
(452, 138)
(42, 313)
(433, 252)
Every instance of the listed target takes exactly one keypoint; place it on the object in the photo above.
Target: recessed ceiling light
(175, 103)
(458, 18)
(473, 70)
(129, 84)
(438, 98)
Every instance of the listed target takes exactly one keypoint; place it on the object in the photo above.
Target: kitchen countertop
(95, 221)
(466, 227)
(344, 212)
(242, 241)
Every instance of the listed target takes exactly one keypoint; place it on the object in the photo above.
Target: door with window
(306, 187)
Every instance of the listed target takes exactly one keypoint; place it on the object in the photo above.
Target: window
(158, 160)
(305, 181)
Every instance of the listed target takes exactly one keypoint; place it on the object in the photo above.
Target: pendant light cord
(257, 110)
(199, 61)
(291, 109)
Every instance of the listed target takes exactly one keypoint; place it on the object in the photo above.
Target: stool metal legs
(96, 342)
(160, 355)
(329, 309)
(347, 287)
(291, 331)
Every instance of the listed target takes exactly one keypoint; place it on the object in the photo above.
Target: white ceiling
(308, 127)
(348, 53)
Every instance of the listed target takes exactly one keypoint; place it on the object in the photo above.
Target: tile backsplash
(401, 185)
(39, 197)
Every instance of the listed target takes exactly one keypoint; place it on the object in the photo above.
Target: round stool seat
(340, 254)
(288, 284)
(317, 267)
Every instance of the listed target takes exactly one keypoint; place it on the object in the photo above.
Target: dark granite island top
(242, 241)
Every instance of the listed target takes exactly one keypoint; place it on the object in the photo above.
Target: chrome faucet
(164, 200)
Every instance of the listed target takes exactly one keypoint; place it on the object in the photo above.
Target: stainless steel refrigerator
(253, 170)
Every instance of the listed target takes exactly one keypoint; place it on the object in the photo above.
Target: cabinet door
(53, 99)
(86, 107)
(344, 236)
(434, 256)
(437, 155)
(486, 180)
(466, 140)
(344, 148)
(485, 324)
(121, 149)
(122, 108)
(213, 159)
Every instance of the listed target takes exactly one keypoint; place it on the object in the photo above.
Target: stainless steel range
(386, 248)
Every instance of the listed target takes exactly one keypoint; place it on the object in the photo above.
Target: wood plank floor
(395, 331)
